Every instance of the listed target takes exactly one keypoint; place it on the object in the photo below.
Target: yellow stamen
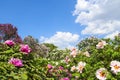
(116, 67)
(102, 74)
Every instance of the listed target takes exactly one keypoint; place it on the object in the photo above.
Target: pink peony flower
(101, 74)
(16, 62)
(66, 78)
(115, 66)
(49, 66)
(25, 49)
(9, 42)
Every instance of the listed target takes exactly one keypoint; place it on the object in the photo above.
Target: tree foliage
(9, 32)
(40, 50)
(50, 46)
(87, 44)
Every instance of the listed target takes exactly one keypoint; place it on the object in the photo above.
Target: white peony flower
(67, 59)
(115, 66)
(74, 52)
(86, 54)
(80, 66)
(101, 45)
(73, 68)
(101, 74)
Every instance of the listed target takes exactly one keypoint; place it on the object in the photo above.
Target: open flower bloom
(73, 68)
(16, 62)
(80, 66)
(49, 66)
(25, 49)
(73, 52)
(115, 66)
(67, 59)
(9, 42)
(101, 74)
(101, 45)
(87, 54)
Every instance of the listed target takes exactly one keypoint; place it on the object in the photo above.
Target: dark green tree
(50, 46)
(88, 43)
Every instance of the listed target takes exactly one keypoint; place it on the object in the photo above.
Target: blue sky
(62, 22)
(39, 17)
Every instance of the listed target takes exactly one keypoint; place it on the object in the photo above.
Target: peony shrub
(100, 62)
(16, 65)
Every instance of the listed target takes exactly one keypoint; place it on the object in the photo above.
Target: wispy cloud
(101, 17)
(62, 39)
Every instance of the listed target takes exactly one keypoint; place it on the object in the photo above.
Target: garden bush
(100, 62)
(18, 63)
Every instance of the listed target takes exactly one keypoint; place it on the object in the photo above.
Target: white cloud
(62, 39)
(99, 16)
(112, 35)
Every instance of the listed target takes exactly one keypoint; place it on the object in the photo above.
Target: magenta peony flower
(9, 42)
(25, 49)
(49, 66)
(66, 78)
(16, 62)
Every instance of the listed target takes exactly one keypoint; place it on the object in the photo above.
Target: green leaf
(49, 78)
(16, 77)
(76, 74)
(24, 76)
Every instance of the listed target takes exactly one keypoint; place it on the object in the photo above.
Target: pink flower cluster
(16, 62)
(25, 49)
(9, 42)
